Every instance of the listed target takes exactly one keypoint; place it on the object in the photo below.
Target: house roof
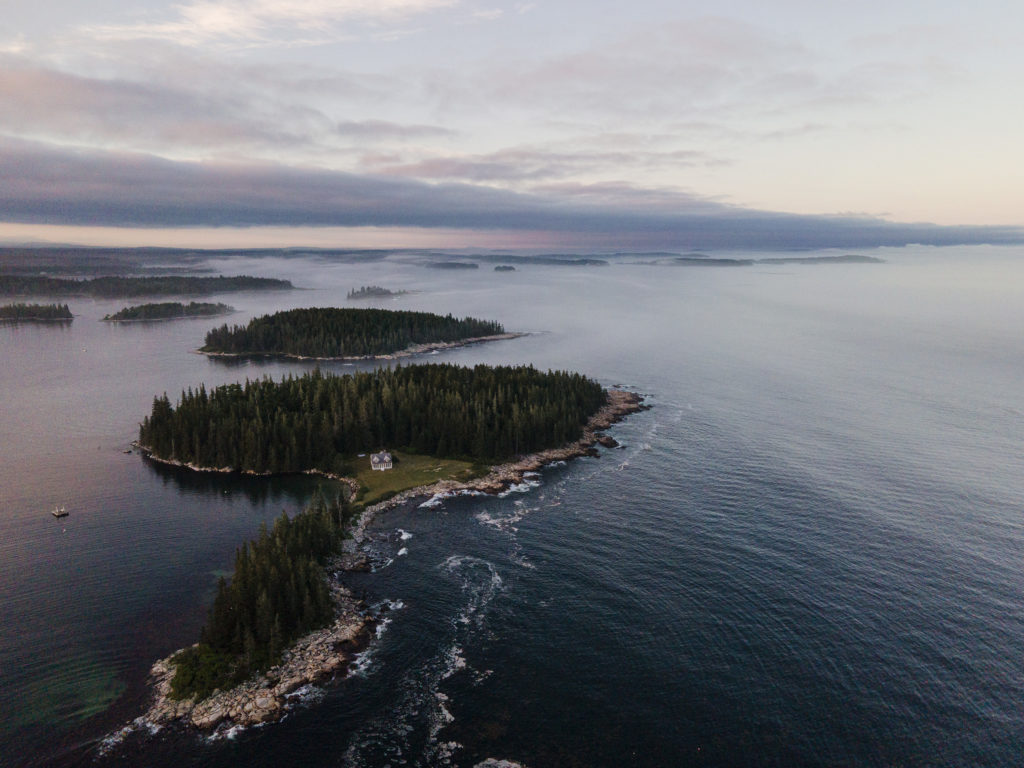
(380, 458)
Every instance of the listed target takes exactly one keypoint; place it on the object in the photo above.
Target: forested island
(168, 310)
(346, 333)
(452, 265)
(45, 313)
(280, 622)
(124, 287)
(373, 292)
(849, 258)
(320, 422)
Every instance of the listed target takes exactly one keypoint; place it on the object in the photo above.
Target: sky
(511, 124)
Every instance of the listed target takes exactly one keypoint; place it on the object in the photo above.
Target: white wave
(117, 737)
(524, 487)
(438, 498)
(362, 664)
(404, 535)
(455, 661)
(231, 731)
(307, 694)
(435, 501)
(403, 551)
(506, 522)
(481, 590)
(422, 708)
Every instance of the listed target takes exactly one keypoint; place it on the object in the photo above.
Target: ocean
(808, 553)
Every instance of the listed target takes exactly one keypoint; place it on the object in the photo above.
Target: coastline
(415, 349)
(166, 319)
(326, 653)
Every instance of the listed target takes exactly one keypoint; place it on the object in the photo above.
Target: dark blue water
(808, 553)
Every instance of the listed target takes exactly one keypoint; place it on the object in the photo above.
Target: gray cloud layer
(48, 185)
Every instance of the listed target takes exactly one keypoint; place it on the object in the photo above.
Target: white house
(380, 460)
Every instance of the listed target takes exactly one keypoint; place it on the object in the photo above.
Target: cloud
(201, 22)
(48, 185)
(379, 130)
(41, 101)
(526, 164)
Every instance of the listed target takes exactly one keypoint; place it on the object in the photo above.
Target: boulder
(207, 718)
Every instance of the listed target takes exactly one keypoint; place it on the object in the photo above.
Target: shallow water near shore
(808, 552)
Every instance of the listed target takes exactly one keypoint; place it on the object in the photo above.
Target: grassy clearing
(409, 471)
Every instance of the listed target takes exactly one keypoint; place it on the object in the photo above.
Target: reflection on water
(292, 490)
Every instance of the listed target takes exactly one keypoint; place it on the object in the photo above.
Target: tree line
(318, 421)
(277, 593)
(35, 312)
(168, 310)
(115, 287)
(372, 292)
(333, 332)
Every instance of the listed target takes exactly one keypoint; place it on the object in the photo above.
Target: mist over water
(808, 553)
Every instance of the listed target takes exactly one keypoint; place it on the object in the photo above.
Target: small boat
(60, 512)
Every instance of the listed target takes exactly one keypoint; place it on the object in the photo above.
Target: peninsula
(263, 640)
(35, 313)
(168, 310)
(328, 333)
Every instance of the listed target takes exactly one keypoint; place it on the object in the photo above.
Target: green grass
(409, 471)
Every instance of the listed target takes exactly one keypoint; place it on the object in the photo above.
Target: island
(705, 261)
(168, 310)
(373, 292)
(328, 333)
(318, 422)
(123, 287)
(849, 258)
(452, 265)
(35, 313)
(280, 622)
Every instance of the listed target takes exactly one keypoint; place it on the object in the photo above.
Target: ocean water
(809, 552)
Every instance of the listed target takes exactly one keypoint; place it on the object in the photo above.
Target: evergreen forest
(373, 292)
(332, 332)
(168, 310)
(123, 287)
(319, 422)
(17, 312)
(277, 593)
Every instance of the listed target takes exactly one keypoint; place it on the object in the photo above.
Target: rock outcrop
(263, 698)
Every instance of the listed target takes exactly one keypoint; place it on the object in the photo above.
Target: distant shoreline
(416, 349)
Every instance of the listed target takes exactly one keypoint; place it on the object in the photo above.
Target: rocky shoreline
(415, 349)
(327, 652)
(264, 697)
